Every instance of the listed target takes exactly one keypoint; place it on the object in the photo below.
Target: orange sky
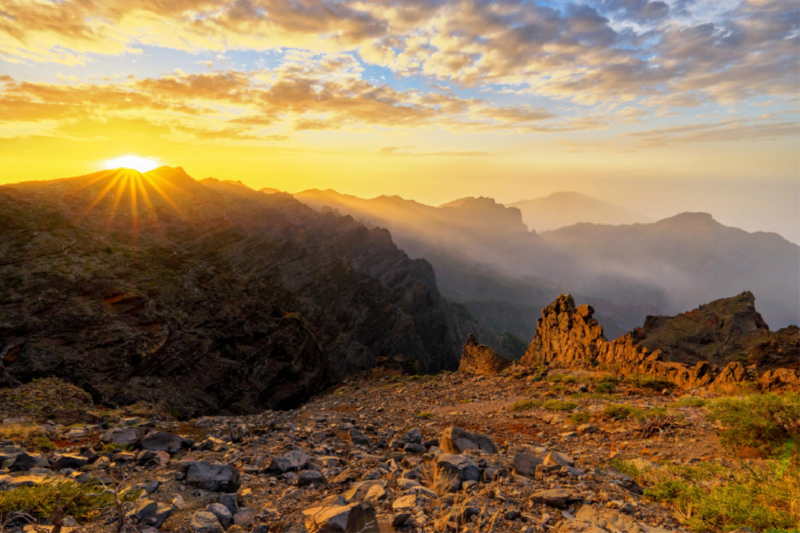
(428, 99)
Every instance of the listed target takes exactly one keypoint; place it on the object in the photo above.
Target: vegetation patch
(605, 387)
(560, 405)
(689, 401)
(579, 418)
(764, 422)
(711, 497)
(425, 415)
(561, 378)
(525, 405)
(82, 502)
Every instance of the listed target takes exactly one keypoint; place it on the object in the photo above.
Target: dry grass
(20, 431)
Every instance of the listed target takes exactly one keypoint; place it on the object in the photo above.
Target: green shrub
(525, 405)
(605, 387)
(579, 418)
(619, 411)
(425, 415)
(758, 500)
(561, 378)
(560, 405)
(44, 444)
(689, 401)
(624, 411)
(627, 468)
(557, 387)
(39, 500)
(766, 422)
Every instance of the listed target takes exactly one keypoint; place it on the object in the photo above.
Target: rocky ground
(386, 452)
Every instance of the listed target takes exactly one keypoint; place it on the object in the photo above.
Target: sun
(141, 164)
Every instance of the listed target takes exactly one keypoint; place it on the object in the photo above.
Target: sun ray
(120, 191)
(149, 205)
(161, 193)
(134, 213)
(114, 179)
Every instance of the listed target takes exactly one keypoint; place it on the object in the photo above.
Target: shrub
(557, 387)
(525, 405)
(44, 444)
(760, 500)
(618, 411)
(39, 500)
(560, 405)
(766, 422)
(689, 401)
(627, 468)
(425, 415)
(561, 378)
(605, 387)
(579, 418)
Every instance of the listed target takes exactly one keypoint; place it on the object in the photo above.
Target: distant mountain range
(562, 209)
(487, 260)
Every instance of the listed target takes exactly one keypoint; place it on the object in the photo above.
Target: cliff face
(568, 337)
(206, 295)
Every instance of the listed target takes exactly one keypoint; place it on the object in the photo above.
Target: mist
(487, 259)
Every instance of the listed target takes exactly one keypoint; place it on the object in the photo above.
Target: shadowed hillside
(126, 284)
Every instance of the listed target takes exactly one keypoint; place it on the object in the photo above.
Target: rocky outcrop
(481, 360)
(568, 337)
(720, 332)
(207, 296)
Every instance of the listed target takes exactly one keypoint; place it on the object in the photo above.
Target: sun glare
(141, 164)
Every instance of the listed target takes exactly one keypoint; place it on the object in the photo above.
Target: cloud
(726, 131)
(587, 52)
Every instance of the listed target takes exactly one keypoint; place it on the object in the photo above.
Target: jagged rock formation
(568, 337)
(208, 296)
(481, 360)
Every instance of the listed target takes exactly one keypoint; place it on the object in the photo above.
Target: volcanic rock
(481, 360)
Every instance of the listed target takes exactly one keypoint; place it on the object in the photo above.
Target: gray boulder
(213, 477)
(205, 522)
(357, 437)
(354, 518)
(289, 462)
(26, 461)
(453, 470)
(62, 461)
(161, 441)
(222, 513)
(525, 463)
(122, 436)
(455, 440)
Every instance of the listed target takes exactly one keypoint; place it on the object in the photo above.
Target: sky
(660, 106)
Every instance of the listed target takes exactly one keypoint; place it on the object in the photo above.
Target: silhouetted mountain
(205, 295)
(567, 208)
(686, 259)
(485, 258)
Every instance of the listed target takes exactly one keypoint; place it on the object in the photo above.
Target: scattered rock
(456, 440)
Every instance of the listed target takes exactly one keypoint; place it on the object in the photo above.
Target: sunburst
(129, 179)
(134, 162)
